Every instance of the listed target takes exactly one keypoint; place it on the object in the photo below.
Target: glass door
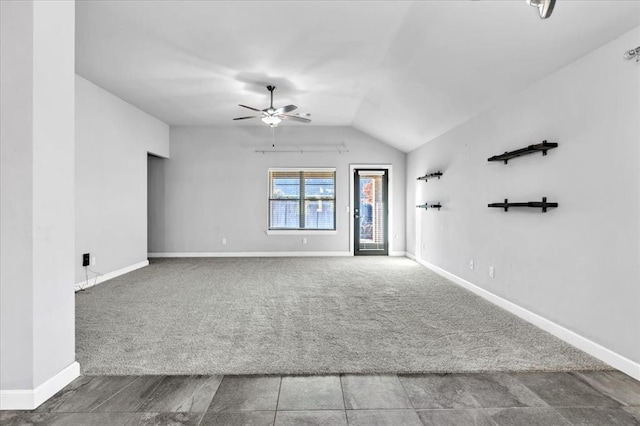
(370, 212)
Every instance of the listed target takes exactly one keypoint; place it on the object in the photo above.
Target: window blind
(302, 199)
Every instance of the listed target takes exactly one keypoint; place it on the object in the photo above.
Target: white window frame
(303, 231)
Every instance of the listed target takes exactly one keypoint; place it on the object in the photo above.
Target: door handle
(356, 216)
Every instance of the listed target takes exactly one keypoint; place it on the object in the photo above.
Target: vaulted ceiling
(404, 72)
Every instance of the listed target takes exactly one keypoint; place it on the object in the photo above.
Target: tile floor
(578, 398)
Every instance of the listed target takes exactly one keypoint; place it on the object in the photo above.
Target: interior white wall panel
(113, 139)
(576, 265)
(215, 187)
(37, 315)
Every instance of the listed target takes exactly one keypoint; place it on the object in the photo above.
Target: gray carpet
(303, 316)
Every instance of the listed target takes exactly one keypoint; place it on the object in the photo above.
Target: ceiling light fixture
(545, 7)
(271, 120)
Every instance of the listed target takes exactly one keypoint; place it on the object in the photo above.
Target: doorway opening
(370, 211)
(155, 203)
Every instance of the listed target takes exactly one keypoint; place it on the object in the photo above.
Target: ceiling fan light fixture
(271, 120)
(545, 7)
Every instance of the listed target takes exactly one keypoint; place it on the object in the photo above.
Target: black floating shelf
(541, 147)
(429, 206)
(430, 175)
(535, 204)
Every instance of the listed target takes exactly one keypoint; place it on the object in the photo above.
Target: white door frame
(388, 168)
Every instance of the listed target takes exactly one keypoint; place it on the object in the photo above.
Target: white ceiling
(404, 72)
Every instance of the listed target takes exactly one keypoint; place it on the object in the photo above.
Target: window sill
(301, 232)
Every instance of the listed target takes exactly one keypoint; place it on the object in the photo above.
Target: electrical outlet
(93, 260)
(304, 240)
(85, 259)
(471, 264)
(491, 271)
(224, 241)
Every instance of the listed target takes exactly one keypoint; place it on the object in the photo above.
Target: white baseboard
(264, 254)
(253, 254)
(614, 359)
(30, 399)
(109, 275)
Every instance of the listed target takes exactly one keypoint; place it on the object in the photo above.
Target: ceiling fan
(273, 116)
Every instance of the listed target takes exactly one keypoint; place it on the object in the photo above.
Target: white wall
(215, 186)
(53, 188)
(37, 339)
(16, 195)
(576, 265)
(112, 142)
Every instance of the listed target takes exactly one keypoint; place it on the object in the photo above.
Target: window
(302, 199)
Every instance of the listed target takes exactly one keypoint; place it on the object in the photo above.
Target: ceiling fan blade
(244, 118)
(295, 118)
(285, 109)
(547, 8)
(251, 108)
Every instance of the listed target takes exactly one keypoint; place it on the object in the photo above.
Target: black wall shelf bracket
(430, 175)
(541, 147)
(534, 204)
(430, 206)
